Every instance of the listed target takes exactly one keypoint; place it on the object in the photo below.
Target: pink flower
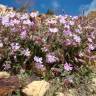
(68, 67)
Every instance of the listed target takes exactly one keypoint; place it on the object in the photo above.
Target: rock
(8, 85)
(39, 71)
(4, 91)
(36, 88)
(92, 15)
(72, 92)
(93, 85)
(12, 81)
(59, 94)
(4, 74)
(94, 81)
(3, 7)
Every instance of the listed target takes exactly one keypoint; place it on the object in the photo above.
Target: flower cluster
(45, 40)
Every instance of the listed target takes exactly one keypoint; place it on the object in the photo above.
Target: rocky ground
(12, 86)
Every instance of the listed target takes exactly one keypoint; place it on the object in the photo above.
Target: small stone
(93, 85)
(94, 81)
(4, 74)
(36, 88)
(72, 92)
(59, 94)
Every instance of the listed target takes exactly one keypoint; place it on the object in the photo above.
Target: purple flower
(77, 38)
(5, 21)
(38, 59)
(75, 18)
(50, 58)
(67, 32)
(67, 26)
(28, 22)
(15, 21)
(91, 47)
(68, 67)
(24, 16)
(68, 42)
(6, 66)
(23, 34)
(62, 20)
(26, 52)
(11, 15)
(78, 31)
(71, 23)
(15, 46)
(39, 65)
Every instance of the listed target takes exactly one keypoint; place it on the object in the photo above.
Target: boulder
(36, 88)
(4, 74)
(9, 85)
